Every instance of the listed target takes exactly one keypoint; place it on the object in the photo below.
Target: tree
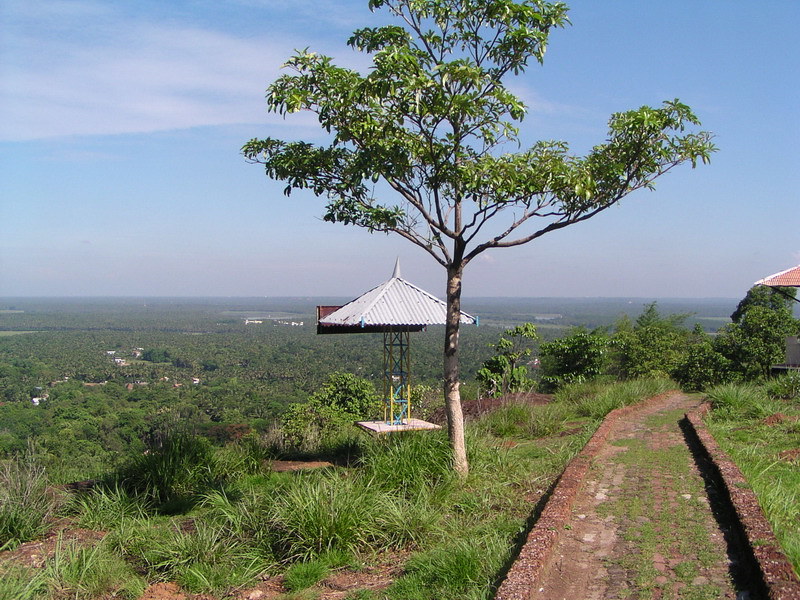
(653, 345)
(502, 373)
(756, 339)
(580, 356)
(430, 122)
(780, 299)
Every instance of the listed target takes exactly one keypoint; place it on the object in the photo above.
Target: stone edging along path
(522, 579)
(781, 581)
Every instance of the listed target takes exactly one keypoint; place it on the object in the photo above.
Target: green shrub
(702, 367)
(576, 358)
(522, 420)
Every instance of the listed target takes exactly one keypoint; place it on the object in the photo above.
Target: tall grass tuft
(747, 400)
(20, 583)
(322, 513)
(108, 508)
(461, 570)
(785, 386)
(26, 501)
(305, 574)
(88, 573)
(409, 463)
(173, 475)
(522, 420)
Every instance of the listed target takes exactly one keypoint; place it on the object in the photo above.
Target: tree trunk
(455, 416)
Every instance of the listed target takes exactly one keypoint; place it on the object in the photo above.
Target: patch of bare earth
(35, 554)
(283, 466)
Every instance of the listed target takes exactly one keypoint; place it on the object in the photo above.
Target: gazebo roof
(787, 278)
(396, 303)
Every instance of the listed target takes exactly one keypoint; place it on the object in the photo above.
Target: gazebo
(787, 278)
(395, 308)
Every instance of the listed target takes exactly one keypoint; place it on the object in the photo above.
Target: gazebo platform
(382, 427)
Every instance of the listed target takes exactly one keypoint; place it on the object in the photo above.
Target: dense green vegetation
(115, 375)
(218, 518)
(177, 414)
(654, 344)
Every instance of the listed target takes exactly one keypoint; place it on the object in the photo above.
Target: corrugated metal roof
(395, 302)
(787, 278)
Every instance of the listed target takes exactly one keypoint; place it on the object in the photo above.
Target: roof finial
(396, 274)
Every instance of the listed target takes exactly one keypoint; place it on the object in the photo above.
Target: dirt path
(643, 525)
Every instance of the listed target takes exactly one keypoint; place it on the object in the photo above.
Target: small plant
(503, 373)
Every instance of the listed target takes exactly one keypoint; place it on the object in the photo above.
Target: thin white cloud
(107, 75)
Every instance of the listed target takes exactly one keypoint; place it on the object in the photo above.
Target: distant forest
(89, 379)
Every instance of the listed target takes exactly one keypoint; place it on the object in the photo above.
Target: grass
(737, 422)
(26, 501)
(303, 575)
(217, 520)
(78, 572)
(596, 399)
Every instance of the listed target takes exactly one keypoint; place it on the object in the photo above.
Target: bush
(343, 399)
(576, 358)
(702, 367)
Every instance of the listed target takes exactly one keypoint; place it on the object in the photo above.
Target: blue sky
(121, 124)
